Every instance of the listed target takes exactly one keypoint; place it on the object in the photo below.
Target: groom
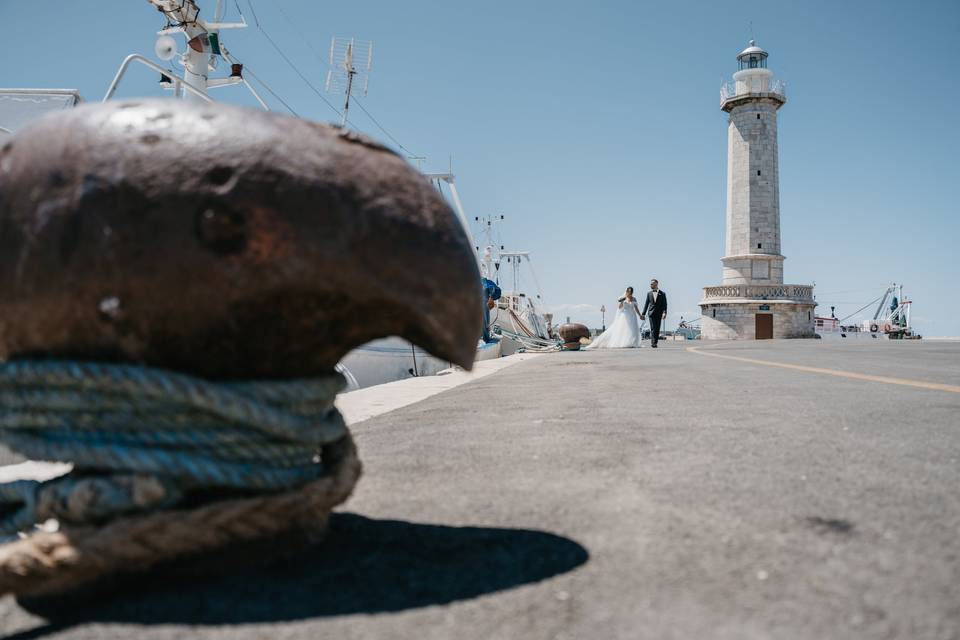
(657, 305)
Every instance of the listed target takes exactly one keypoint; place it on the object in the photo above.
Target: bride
(624, 333)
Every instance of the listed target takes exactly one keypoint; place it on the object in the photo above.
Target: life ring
(874, 328)
(886, 327)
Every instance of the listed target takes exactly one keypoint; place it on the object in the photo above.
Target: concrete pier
(776, 489)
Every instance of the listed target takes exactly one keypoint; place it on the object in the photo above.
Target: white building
(752, 302)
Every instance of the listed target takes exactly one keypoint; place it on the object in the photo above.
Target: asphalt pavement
(619, 494)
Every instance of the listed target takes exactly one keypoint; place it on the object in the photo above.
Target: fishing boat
(890, 320)
(518, 317)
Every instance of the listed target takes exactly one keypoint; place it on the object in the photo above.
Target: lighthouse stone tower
(753, 302)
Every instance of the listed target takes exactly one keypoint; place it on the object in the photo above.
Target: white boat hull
(390, 359)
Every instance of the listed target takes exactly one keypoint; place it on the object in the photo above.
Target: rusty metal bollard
(214, 251)
(223, 242)
(571, 333)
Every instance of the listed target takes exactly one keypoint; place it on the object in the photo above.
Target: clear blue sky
(595, 128)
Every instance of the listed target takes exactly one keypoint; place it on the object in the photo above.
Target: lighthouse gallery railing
(760, 292)
(728, 90)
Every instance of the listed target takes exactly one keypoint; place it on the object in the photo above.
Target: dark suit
(656, 309)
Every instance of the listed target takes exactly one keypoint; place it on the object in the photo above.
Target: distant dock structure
(752, 302)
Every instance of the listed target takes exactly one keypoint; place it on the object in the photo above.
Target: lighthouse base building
(752, 302)
(758, 317)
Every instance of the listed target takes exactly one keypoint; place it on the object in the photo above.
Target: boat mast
(199, 60)
(450, 181)
(879, 314)
(489, 266)
(514, 258)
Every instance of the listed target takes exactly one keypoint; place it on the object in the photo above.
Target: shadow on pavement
(363, 566)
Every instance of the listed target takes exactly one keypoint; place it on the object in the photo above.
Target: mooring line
(936, 386)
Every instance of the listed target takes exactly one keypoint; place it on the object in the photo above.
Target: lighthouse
(752, 302)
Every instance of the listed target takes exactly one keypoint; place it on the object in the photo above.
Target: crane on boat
(891, 318)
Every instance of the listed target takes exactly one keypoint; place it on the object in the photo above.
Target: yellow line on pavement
(936, 386)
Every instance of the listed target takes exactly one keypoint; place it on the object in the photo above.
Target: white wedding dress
(624, 333)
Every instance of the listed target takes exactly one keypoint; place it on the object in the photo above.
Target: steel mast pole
(196, 70)
(346, 103)
(351, 71)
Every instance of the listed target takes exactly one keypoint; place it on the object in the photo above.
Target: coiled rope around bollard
(164, 465)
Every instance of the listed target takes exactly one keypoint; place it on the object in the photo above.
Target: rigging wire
(247, 69)
(835, 303)
(833, 293)
(230, 58)
(535, 281)
(298, 31)
(253, 12)
(356, 99)
(380, 126)
(875, 300)
(289, 61)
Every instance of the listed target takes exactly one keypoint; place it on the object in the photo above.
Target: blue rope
(127, 419)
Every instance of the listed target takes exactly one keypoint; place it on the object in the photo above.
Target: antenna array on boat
(350, 63)
(178, 12)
